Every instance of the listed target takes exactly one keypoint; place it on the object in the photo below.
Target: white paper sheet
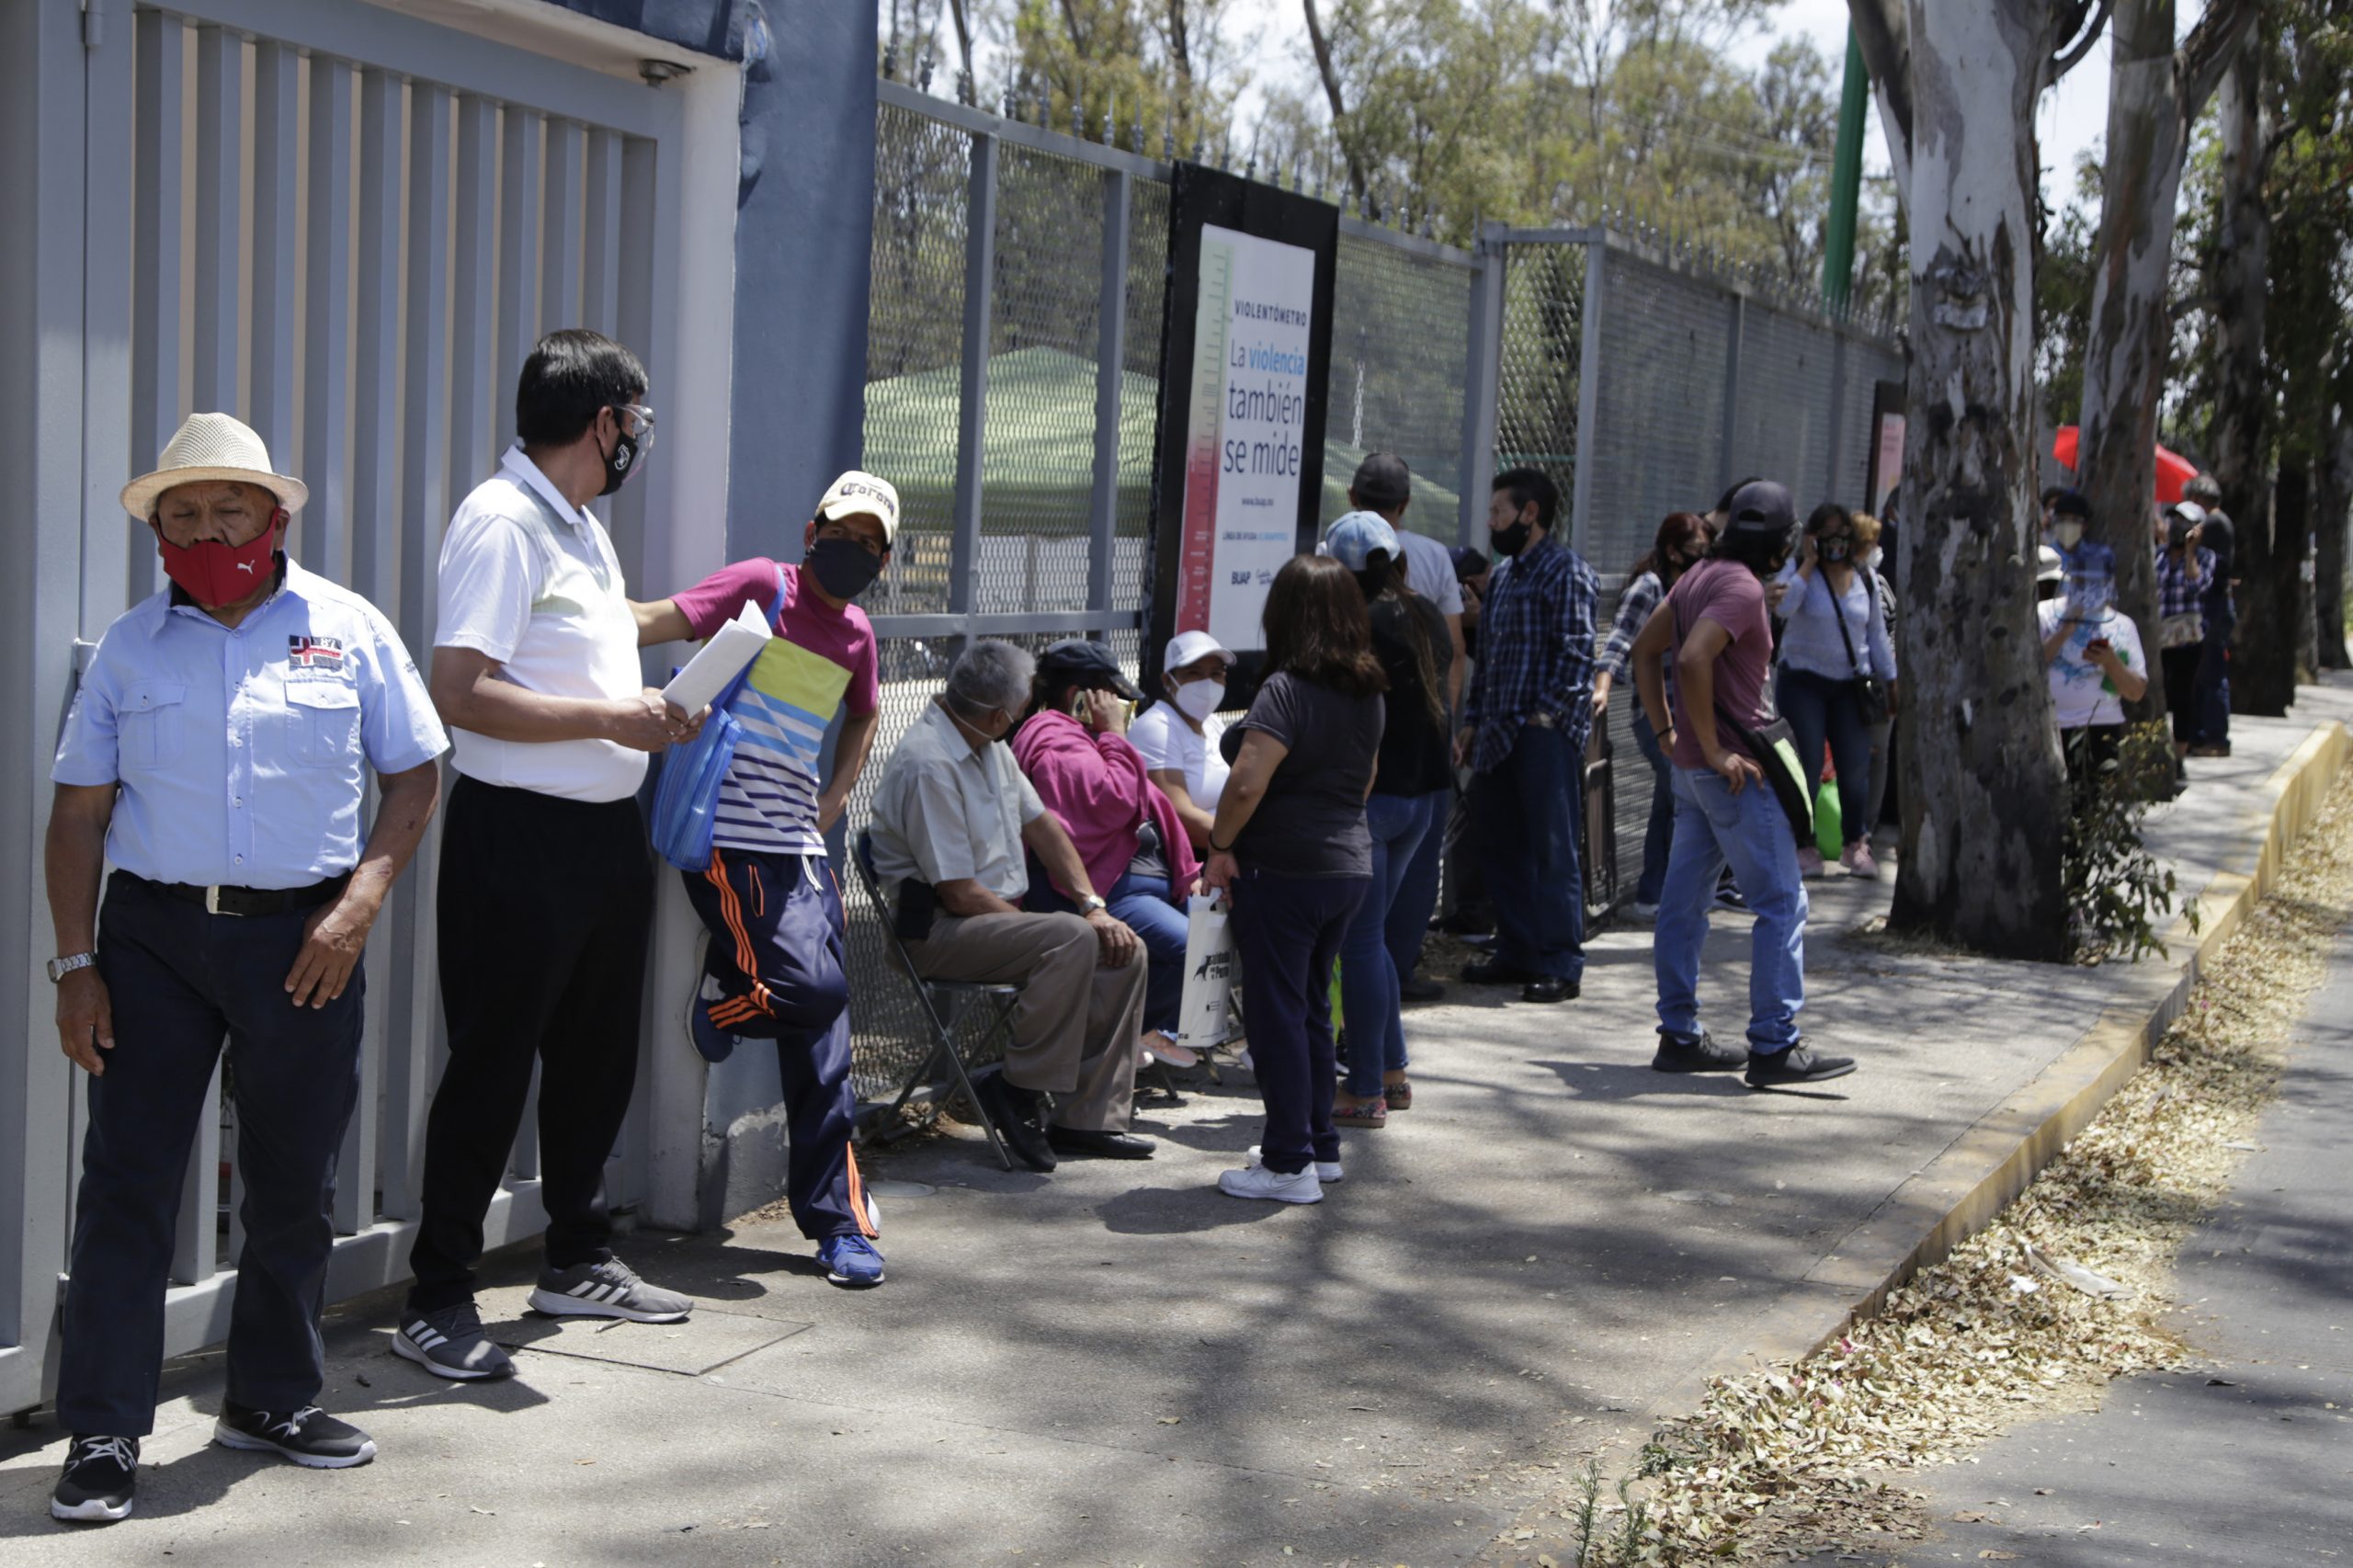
(735, 644)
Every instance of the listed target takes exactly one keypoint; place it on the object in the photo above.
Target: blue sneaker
(850, 1260)
(715, 1043)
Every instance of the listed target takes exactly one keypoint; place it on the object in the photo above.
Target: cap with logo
(1354, 538)
(855, 494)
(1078, 661)
(1190, 647)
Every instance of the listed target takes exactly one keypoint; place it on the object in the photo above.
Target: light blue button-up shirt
(243, 754)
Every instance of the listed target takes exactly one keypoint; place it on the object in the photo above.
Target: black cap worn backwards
(1761, 508)
(1382, 481)
(1080, 663)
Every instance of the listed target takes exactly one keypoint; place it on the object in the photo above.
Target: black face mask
(1836, 549)
(843, 567)
(619, 461)
(1510, 540)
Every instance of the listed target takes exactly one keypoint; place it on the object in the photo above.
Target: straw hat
(213, 446)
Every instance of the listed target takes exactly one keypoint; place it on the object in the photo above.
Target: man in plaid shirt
(1525, 721)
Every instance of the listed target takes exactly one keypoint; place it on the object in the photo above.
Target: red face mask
(213, 573)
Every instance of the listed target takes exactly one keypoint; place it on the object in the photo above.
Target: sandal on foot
(1374, 1112)
(1398, 1095)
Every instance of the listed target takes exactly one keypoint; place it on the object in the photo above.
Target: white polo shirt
(531, 581)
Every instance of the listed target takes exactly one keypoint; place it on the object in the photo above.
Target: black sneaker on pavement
(607, 1290)
(1799, 1064)
(1700, 1054)
(1417, 988)
(96, 1485)
(308, 1437)
(449, 1343)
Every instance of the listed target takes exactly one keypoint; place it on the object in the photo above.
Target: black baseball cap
(1077, 662)
(1382, 481)
(1761, 507)
(2070, 504)
(1469, 561)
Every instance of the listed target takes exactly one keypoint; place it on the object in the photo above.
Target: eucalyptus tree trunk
(2154, 96)
(1981, 785)
(2263, 655)
(2333, 500)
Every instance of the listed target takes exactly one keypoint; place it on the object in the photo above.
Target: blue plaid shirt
(1535, 652)
(2177, 593)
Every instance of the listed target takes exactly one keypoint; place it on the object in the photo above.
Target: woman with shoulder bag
(1838, 674)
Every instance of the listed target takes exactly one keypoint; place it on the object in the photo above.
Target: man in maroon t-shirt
(1716, 624)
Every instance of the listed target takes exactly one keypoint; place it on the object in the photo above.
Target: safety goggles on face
(644, 431)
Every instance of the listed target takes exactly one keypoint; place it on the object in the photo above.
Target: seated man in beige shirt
(951, 818)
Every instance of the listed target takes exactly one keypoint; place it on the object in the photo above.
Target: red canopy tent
(2174, 471)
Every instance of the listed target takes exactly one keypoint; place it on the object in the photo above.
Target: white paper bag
(1204, 1017)
(735, 644)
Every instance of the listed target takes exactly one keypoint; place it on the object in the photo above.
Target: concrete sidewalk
(1116, 1364)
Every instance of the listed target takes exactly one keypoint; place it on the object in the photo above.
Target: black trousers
(181, 981)
(545, 905)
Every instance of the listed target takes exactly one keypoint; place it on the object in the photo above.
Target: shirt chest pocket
(325, 720)
(149, 722)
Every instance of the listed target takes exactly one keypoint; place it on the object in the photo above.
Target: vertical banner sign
(1887, 443)
(1239, 465)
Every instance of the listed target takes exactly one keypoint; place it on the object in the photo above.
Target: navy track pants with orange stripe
(777, 953)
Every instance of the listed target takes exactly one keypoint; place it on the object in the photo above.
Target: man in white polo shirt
(546, 884)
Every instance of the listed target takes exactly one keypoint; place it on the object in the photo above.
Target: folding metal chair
(943, 1002)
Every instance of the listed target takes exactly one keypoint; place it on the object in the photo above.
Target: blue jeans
(1713, 827)
(1820, 709)
(1526, 814)
(1660, 833)
(1287, 930)
(1141, 904)
(1416, 897)
(1369, 1000)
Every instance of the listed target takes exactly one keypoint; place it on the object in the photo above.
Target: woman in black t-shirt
(1409, 638)
(1288, 848)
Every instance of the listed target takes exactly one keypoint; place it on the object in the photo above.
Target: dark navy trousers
(777, 952)
(182, 981)
(1288, 931)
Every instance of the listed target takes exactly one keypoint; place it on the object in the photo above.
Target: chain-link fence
(1644, 382)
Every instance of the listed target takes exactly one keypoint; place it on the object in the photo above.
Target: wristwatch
(1092, 904)
(60, 968)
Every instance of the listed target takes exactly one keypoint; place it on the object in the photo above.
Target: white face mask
(2068, 531)
(1198, 698)
(1871, 558)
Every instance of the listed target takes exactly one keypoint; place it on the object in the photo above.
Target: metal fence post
(1481, 395)
(1590, 311)
(1733, 337)
(971, 407)
(1110, 368)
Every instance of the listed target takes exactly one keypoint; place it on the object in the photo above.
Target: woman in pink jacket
(1074, 750)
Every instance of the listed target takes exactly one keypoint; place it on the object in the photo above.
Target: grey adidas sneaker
(451, 1344)
(607, 1290)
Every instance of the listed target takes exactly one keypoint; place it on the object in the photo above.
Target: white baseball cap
(857, 493)
(1188, 647)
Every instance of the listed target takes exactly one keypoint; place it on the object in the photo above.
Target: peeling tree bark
(2154, 96)
(2263, 657)
(1982, 778)
(2332, 500)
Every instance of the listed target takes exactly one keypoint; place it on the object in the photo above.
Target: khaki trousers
(1075, 1027)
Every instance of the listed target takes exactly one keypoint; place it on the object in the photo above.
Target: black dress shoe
(1079, 1142)
(1021, 1134)
(1701, 1054)
(1418, 989)
(1495, 971)
(1548, 988)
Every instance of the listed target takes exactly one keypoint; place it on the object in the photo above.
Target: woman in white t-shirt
(1178, 736)
(2094, 657)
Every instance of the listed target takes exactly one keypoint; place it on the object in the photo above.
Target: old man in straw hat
(218, 754)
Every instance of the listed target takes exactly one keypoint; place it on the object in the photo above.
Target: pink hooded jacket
(1097, 787)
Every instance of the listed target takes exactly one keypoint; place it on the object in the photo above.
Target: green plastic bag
(1829, 835)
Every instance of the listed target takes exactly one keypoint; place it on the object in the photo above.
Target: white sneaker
(1326, 1171)
(1644, 914)
(1257, 1181)
(1859, 862)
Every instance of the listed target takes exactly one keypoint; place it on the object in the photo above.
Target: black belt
(246, 902)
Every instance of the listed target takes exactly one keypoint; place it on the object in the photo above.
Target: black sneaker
(1728, 897)
(100, 1475)
(1799, 1064)
(1677, 1053)
(308, 1437)
(449, 1343)
(1415, 988)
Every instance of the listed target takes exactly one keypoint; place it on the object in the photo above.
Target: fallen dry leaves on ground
(1776, 1466)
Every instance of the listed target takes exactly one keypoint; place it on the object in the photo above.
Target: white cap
(1188, 647)
(857, 493)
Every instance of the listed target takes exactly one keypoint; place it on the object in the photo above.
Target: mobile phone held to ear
(2097, 645)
